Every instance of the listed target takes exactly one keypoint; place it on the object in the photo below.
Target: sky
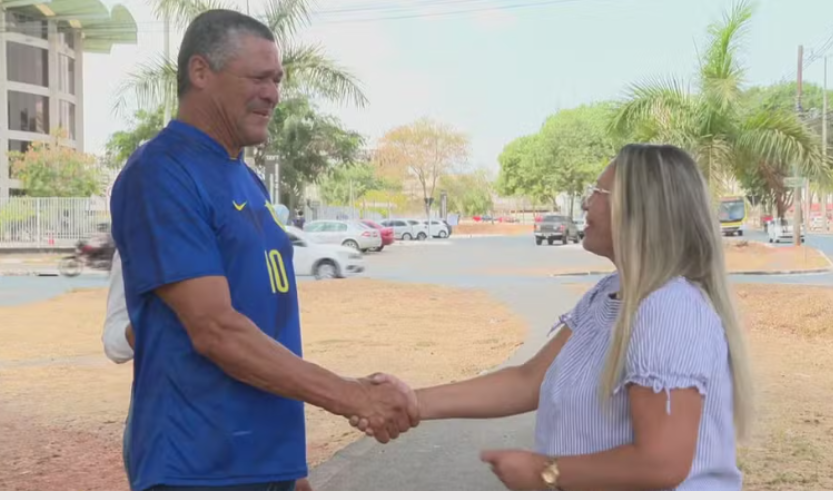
(494, 69)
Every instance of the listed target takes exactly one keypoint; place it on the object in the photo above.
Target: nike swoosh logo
(240, 207)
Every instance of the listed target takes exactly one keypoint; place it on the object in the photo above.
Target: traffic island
(742, 257)
(64, 404)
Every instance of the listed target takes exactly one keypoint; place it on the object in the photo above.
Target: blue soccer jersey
(183, 209)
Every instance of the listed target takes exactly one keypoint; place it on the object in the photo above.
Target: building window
(19, 146)
(66, 37)
(66, 118)
(28, 112)
(29, 26)
(27, 64)
(66, 74)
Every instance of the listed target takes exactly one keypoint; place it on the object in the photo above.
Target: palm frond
(653, 109)
(781, 138)
(152, 85)
(721, 73)
(182, 12)
(286, 17)
(310, 71)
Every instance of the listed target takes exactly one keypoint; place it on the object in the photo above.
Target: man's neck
(212, 124)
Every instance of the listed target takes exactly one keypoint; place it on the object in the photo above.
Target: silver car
(349, 233)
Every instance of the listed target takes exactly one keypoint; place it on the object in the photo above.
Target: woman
(647, 384)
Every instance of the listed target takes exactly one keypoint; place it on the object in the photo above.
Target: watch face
(549, 476)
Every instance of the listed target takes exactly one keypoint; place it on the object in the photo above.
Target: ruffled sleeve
(675, 342)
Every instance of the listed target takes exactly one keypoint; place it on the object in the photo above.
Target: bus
(732, 214)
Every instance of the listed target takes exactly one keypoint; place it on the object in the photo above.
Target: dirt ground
(790, 336)
(63, 404)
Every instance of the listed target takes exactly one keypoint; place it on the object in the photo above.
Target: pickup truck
(555, 227)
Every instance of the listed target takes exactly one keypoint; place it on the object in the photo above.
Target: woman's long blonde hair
(663, 227)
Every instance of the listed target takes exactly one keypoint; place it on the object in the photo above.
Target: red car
(387, 233)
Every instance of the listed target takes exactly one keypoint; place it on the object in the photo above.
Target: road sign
(794, 182)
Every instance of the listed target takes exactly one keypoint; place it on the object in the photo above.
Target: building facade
(41, 70)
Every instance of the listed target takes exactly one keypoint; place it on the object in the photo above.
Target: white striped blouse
(677, 342)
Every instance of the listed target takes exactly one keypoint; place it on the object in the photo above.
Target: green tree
(727, 138)
(577, 147)
(308, 144)
(349, 184)
(469, 193)
(144, 126)
(525, 170)
(308, 70)
(49, 169)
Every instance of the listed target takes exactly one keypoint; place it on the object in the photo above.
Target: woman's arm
(510, 391)
(659, 458)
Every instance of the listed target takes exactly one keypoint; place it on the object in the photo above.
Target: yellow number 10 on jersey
(277, 272)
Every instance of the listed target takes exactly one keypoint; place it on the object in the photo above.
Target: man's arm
(163, 227)
(239, 348)
(118, 334)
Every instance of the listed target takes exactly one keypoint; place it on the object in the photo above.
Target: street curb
(821, 270)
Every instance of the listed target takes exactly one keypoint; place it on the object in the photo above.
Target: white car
(438, 228)
(323, 261)
(782, 230)
(343, 232)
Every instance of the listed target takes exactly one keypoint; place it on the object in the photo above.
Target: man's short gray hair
(215, 35)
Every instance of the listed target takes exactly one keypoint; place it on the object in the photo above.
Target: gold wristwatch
(550, 475)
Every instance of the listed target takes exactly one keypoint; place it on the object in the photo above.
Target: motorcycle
(87, 255)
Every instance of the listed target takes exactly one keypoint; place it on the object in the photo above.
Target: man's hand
(412, 405)
(518, 470)
(303, 485)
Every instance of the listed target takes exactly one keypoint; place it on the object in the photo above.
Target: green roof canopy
(100, 27)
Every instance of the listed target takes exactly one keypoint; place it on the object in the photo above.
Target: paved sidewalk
(445, 455)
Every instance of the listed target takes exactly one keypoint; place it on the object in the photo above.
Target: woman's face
(598, 236)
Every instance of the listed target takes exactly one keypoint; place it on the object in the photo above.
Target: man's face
(247, 89)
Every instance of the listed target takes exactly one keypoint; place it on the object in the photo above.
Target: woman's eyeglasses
(589, 192)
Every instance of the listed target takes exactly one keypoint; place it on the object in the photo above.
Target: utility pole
(822, 192)
(798, 187)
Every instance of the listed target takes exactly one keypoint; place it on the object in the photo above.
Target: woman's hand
(303, 485)
(384, 378)
(518, 470)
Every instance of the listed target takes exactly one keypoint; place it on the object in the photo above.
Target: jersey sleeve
(675, 342)
(162, 226)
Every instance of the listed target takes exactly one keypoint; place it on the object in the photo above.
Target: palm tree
(308, 70)
(729, 138)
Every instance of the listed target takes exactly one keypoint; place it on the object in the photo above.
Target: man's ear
(199, 72)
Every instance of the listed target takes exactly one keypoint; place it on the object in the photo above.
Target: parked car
(349, 233)
(407, 229)
(439, 229)
(323, 261)
(778, 230)
(388, 237)
(556, 227)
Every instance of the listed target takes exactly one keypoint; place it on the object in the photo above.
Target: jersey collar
(192, 132)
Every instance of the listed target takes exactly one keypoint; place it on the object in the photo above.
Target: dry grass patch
(63, 405)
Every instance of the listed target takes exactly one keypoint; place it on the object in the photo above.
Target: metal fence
(40, 223)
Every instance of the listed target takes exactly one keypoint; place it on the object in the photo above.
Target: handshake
(389, 408)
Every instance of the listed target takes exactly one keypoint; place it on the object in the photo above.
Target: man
(118, 337)
(219, 379)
